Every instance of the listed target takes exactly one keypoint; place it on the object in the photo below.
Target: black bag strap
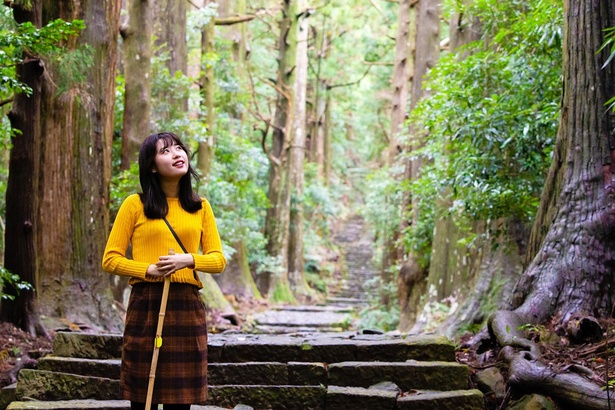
(175, 235)
(180, 243)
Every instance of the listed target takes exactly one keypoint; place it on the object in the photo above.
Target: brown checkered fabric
(181, 375)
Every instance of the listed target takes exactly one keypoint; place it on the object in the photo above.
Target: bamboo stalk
(158, 338)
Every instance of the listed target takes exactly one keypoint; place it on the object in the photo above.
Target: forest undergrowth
(558, 353)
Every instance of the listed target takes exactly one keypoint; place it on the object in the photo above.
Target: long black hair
(153, 198)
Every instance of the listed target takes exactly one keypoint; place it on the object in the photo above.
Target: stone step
(292, 397)
(46, 385)
(269, 397)
(87, 345)
(280, 329)
(304, 318)
(343, 300)
(322, 348)
(89, 404)
(71, 405)
(315, 308)
(407, 375)
(107, 368)
(333, 348)
(356, 398)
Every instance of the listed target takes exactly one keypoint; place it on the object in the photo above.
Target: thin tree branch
(7, 101)
(229, 21)
(369, 67)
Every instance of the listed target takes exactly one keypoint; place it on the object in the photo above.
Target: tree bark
(170, 32)
(401, 76)
(75, 173)
(169, 28)
(237, 279)
(412, 274)
(277, 221)
(296, 155)
(404, 65)
(207, 147)
(137, 54)
(571, 273)
(327, 140)
(21, 205)
(320, 98)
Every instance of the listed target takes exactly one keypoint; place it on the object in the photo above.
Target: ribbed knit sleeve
(114, 258)
(212, 260)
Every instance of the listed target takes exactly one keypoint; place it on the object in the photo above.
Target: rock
(387, 386)
(491, 381)
(7, 395)
(532, 402)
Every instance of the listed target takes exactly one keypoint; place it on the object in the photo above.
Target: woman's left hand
(172, 263)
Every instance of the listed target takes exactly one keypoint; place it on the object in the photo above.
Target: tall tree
(572, 242)
(207, 80)
(169, 31)
(21, 205)
(72, 128)
(207, 146)
(277, 222)
(411, 279)
(76, 172)
(457, 271)
(403, 66)
(237, 279)
(569, 282)
(322, 40)
(296, 156)
(136, 53)
(401, 74)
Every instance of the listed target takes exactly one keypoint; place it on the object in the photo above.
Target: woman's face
(170, 162)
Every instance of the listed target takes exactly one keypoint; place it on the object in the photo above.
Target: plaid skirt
(181, 374)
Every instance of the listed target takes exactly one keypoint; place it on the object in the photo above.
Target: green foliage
(382, 202)
(375, 316)
(491, 120)
(167, 110)
(122, 185)
(609, 42)
(198, 19)
(21, 41)
(233, 189)
(8, 279)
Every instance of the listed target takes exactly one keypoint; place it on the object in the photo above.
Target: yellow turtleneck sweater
(151, 238)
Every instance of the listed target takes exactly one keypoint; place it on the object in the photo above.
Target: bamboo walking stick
(158, 339)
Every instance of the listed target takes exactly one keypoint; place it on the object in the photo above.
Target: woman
(165, 175)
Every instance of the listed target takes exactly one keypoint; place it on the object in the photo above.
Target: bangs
(169, 139)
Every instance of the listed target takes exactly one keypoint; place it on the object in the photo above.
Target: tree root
(528, 374)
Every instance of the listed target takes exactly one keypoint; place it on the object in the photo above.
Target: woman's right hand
(152, 270)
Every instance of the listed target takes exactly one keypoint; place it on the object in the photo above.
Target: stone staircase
(356, 244)
(297, 371)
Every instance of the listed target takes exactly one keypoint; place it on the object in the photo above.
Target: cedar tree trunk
(21, 203)
(137, 54)
(572, 270)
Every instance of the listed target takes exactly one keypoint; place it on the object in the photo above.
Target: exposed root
(572, 387)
